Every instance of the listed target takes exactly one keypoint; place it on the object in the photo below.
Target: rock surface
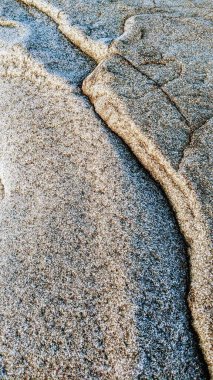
(94, 274)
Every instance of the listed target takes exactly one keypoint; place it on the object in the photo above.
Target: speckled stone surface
(94, 270)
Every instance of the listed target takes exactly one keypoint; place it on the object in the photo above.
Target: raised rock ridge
(140, 100)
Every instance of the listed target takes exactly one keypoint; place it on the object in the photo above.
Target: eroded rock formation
(94, 271)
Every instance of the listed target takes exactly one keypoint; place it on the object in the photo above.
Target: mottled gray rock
(197, 164)
(116, 86)
(79, 251)
(104, 19)
(175, 50)
(148, 122)
(39, 35)
(94, 270)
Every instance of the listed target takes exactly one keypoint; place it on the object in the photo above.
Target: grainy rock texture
(143, 131)
(94, 271)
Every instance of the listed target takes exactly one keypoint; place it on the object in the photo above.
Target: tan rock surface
(150, 135)
(94, 272)
(175, 50)
(74, 223)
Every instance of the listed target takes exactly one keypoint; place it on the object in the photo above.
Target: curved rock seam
(194, 228)
(183, 199)
(97, 50)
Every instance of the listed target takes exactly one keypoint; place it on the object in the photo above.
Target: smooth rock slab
(175, 50)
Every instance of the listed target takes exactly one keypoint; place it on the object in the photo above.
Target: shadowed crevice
(2, 191)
